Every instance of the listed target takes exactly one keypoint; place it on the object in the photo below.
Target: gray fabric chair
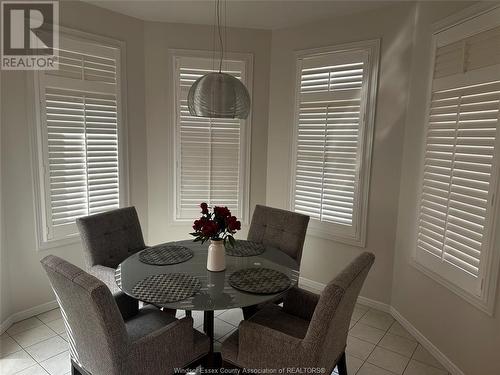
(102, 343)
(309, 331)
(108, 239)
(282, 229)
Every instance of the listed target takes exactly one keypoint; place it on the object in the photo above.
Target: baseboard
(314, 286)
(374, 304)
(4, 326)
(25, 314)
(431, 348)
(317, 287)
(311, 285)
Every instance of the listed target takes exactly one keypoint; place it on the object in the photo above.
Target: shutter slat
(84, 66)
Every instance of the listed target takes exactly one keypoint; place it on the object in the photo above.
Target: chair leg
(342, 365)
(74, 369)
(248, 311)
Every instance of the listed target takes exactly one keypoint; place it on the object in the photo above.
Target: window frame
(489, 274)
(330, 231)
(37, 146)
(247, 59)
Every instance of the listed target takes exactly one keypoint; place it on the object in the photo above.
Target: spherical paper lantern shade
(218, 95)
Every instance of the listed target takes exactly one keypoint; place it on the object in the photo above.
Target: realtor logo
(30, 35)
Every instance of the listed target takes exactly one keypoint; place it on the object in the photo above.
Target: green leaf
(196, 234)
(197, 239)
(231, 241)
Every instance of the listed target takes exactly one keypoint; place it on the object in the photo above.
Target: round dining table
(216, 293)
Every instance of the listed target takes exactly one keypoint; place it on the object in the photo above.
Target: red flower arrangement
(219, 224)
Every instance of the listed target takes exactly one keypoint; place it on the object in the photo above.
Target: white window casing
(333, 135)
(211, 155)
(79, 137)
(457, 206)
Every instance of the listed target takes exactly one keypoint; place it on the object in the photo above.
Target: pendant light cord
(220, 36)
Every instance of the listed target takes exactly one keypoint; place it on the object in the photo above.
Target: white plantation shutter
(332, 104)
(210, 153)
(80, 127)
(460, 162)
(475, 52)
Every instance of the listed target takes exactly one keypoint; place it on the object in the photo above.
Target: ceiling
(258, 14)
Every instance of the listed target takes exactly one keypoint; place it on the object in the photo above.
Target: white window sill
(56, 243)
(328, 234)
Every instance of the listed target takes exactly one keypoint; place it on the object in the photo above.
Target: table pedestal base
(208, 327)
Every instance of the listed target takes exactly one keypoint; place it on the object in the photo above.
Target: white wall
(323, 259)
(469, 337)
(21, 273)
(159, 38)
(4, 280)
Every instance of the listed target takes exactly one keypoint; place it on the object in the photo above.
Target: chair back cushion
(282, 229)
(110, 237)
(330, 322)
(96, 331)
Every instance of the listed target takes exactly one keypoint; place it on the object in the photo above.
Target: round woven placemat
(164, 288)
(162, 255)
(259, 280)
(245, 249)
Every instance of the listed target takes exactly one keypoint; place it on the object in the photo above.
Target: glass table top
(215, 292)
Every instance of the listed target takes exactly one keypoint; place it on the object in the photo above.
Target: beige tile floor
(377, 345)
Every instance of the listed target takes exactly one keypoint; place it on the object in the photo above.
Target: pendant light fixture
(217, 94)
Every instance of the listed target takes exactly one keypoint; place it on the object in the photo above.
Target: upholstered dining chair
(284, 230)
(102, 343)
(108, 239)
(308, 331)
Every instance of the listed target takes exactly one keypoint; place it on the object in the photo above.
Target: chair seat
(271, 316)
(149, 319)
(106, 275)
(274, 317)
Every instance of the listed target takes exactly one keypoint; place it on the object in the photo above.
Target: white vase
(216, 260)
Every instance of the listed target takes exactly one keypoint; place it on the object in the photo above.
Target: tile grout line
(374, 347)
(424, 363)
(392, 372)
(225, 321)
(24, 330)
(368, 356)
(40, 363)
(389, 350)
(414, 350)
(46, 359)
(377, 345)
(402, 337)
(24, 350)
